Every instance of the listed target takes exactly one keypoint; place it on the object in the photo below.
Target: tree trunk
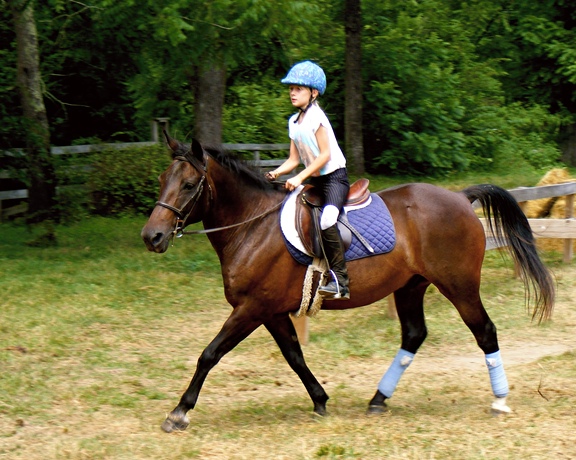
(568, 145)
(353, 88)
(41, 174)
(210, 88)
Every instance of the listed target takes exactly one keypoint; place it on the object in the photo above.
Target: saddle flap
(304, 223)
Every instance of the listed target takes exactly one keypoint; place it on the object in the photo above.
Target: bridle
(178, 231)
(180, 217)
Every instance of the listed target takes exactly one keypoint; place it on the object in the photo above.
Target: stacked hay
(550, 207)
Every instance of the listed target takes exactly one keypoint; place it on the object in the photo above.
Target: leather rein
(178, 231)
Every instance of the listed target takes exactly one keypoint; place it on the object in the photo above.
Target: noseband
(181, 218)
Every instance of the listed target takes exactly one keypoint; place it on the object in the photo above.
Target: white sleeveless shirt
(304, 137)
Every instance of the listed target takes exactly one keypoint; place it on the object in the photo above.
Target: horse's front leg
(283, 332)
(236, 328)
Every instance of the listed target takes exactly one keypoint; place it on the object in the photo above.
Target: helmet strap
(303, 111)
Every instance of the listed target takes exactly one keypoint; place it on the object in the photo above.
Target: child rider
(313, 142)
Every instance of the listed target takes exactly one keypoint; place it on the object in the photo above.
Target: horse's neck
(236, 210)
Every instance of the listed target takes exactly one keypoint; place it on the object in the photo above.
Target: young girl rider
(313, 142)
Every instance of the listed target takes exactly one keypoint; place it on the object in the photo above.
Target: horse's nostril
(158, 237)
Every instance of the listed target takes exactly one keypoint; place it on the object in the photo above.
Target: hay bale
(537, 209)
(551, 207)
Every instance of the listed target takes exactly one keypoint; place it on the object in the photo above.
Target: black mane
(248, 172)
(244, 170)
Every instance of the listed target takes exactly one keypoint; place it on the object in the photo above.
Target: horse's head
(183, 197)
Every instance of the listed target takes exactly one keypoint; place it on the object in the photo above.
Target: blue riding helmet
(308, 74)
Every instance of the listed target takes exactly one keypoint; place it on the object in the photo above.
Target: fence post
(163, 121)
(301, 326)
(568, 250)
(392, 312)
(517, 271)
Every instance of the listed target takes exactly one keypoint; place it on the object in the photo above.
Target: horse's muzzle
(155, 241)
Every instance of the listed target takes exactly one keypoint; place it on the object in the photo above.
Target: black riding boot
(337, 287)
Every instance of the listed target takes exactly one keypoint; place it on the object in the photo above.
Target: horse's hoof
(173, 423)
(376, 409)
(320, 411)
(499, 407)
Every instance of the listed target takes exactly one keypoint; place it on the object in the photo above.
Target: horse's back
(434, 225)
(427, 201)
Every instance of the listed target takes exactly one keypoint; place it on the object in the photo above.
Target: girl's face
(300, 96)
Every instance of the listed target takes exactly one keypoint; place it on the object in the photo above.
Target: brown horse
(440, 241)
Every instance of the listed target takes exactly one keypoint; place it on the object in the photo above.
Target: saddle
(308, 205)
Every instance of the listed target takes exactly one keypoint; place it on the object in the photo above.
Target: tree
(534, 44)
(203, 50)
(353, 78)
(210, 88)
(41, 173)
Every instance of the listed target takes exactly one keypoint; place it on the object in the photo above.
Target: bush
(516, 135)
(125, 182)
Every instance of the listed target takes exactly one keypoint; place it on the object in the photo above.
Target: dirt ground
(253, 407)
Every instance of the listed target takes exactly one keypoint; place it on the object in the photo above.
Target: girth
(308, 208)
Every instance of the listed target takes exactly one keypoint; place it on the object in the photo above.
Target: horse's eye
(188, 186)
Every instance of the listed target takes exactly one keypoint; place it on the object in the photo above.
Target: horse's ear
(172, 143)
(197, 151)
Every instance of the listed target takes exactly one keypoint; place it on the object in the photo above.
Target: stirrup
(340, 292)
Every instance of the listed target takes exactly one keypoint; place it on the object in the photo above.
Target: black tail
(510, 228)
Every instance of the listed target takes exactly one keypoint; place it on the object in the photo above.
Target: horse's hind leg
(468, 303)
(282, 329)
(410, 306)
(236, 328)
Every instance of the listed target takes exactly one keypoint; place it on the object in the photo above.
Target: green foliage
(248, 120)
(125, 182)
(528, 136)
(10, 127)
(434, 105)
(175, 45)
(513, 134)
(416, 102)
(448, 86)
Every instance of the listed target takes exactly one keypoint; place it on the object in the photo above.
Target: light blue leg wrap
(497, 375)
(392, 376)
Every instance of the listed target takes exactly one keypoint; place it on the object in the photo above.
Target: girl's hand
(271, 175)
(292, 183)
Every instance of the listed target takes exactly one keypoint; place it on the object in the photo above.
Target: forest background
(445, 86)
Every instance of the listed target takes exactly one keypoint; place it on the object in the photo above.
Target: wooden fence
(564, 228)
(22, 194)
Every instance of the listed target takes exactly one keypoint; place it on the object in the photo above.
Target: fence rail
(564, 228)
(22, 194)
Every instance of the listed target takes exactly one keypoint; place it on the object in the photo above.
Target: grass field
(99, 338)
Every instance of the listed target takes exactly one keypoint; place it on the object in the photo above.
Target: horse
(439, 240)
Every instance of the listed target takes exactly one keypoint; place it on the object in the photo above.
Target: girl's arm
(317, 164)
(288, 166)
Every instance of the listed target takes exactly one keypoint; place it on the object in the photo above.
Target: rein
(218, 229)
(179, 231)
